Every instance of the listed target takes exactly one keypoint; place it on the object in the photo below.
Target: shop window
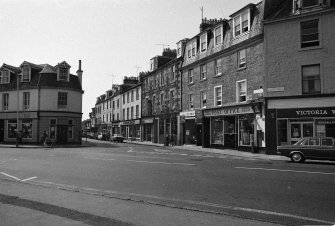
(70, 129)
(311, 79)
(12, 129)
(27, 128)
(310, 33)
(217, 96)
(217, 131)
(246, 130)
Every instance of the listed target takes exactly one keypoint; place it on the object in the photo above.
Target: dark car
(318, 148)
(117, 138)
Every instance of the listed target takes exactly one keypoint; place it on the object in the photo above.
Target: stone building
(300, 66)
(39, 97)
(222, 82)
(161, 98)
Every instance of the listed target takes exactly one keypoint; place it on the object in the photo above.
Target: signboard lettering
(229, 111)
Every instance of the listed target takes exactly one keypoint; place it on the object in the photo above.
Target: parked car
(319, 148)
(117, 138)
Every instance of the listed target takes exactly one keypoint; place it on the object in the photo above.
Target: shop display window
(27, 128)
(217, 131)
(12, 128)
(246, 131)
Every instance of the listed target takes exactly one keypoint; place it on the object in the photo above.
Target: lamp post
(17, 108)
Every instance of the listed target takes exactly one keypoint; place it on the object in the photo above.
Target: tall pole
(17, 109)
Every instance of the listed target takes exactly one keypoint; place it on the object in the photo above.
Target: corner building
(300, 66)
(39, 97)
(222, 82)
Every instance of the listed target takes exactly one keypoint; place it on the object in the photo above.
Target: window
(124, 114)
(203, 99)
(132, 96)
(153, 104)
(311, 79)
(152, 64)
(194, 46)
(310, 33)
(190, 76)
(26, 73)
(62, 100)
(203, 42)
(218, 66)
(178, 49)
(217, 95)
(124, 98)
(190, 101)
(127, 97)
(203, 73)
(189, 49)
(63, 74)
(118, 116)
(241, 91)
(132, 112)
(218, 35)
(53, 123)
(162, 99)
(137, 111)
(173, 74)
(113, 117)
(118, 103)
(26, 100)
(5, 101)
(113, 104)
(171, 99)
(70, 129)
(27, 128)
(241, 58)
(5, 78)
(241, 23)
(12, 128)
(311, 3)
(137, 93)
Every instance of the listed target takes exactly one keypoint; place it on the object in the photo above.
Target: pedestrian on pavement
(18, 138)
(44, 137)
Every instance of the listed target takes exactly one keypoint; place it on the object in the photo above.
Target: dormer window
(203, 42)
(179, 49)
(26, 73)
(308, 4)
(241, 23)
(152, 64)
(189, 50)
(218, 35)
(63, 74)
(4, 76)
(194, 47)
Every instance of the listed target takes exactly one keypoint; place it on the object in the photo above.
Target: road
(271, 191)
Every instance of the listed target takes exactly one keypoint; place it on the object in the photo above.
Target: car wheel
(297, 157)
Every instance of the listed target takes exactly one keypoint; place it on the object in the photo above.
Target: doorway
(2, 130)
(61, 134)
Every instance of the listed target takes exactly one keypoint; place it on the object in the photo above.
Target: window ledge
(202, 80)
(310, 48)
(241, 35)
(217, 75)
(190, 84)
(242, 68)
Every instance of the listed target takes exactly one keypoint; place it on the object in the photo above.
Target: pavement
(25, 203)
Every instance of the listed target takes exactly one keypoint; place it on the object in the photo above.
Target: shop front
(231, 127)
(294, 124)
(116, 128)
(131, 130)
(147, 128)
(188, 125)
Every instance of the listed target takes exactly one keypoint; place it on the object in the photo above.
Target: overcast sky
(113, 38)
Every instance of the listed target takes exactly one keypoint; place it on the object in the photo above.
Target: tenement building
(161, 98)
(39, 97)
(222, 80)
(300, 66)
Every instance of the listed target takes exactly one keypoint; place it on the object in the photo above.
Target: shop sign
(187, 114)
(228, 111)
(147, 120)
(133, 122)
(116, 124)
(306, 112)
(325, 122)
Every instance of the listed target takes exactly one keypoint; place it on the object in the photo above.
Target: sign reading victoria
(306, 112)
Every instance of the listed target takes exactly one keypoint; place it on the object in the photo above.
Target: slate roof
(42, 76)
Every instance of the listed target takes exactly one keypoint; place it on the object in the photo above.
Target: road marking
(166, 163)
(279, 170)
(99, 159)
(131, 149)
(18, 179)
(30, 178)
(162, 150)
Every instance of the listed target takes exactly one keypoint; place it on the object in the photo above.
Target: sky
(112, 38)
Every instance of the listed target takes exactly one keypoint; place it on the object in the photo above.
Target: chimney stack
(80, 73)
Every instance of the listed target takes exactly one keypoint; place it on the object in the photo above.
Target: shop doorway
(61, 134)
(300, 130)
(230, 132)
(2, 130)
